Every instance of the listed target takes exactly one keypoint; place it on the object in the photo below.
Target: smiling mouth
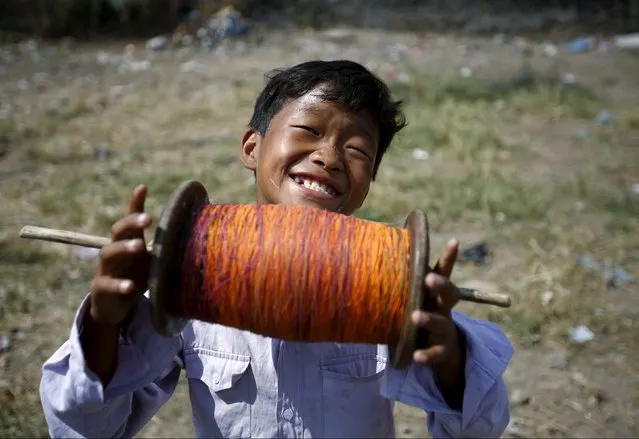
(314, 185)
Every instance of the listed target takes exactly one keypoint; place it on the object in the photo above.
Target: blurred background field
(523, 142)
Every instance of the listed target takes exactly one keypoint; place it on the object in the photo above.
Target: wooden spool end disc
(412, 337)
(167, 254)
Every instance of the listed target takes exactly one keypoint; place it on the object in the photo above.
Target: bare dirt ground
(533, 169)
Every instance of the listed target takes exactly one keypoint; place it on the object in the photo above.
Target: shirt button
(287, 414)
(216, 378)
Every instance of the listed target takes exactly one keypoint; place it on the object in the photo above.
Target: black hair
(348, 84)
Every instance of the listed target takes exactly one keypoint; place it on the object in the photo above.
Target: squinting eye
(361, 151)
(306, 128)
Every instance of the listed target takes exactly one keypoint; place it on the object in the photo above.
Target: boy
(317, 136)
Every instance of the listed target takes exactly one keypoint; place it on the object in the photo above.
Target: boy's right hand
(122, 275)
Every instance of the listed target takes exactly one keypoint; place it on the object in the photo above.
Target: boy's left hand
(445, 351)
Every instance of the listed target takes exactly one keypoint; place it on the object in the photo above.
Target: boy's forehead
(312, 103)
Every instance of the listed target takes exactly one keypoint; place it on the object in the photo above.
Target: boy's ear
(250, 148)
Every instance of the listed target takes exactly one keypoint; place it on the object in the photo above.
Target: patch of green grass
(17, 418)
(474, 197)
(556, 100)
(39, 155)
(51, 121)
(493, 193)
(70, 203)
(621, 203)
(371, 214)
(226, 157)
(19, 259)
(65, 114)
(163, 184)
(629, 118)
(606, 197)
(191, 114)
(17, 301)
(622, 225)
(540, 95)
(8, 129)
(424, 89)
(26, 131)
(14, 252)
(460, 130)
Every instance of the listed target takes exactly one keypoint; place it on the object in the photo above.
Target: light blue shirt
(245, 385)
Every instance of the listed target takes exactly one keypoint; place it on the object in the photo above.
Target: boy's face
(314, 153)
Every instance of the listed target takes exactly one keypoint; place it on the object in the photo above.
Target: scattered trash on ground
(550, 50)
(581, 45)
(101, 154)
(518, 398)
(476, 254)
(568, 78)
(546, 297)
(105, 58)
(207, 32)
(134, 66)
(465, 72)
(614, 275)
(513, 428)
(629, 41)
(605, 117)
(581, 334)
(420, 154)
(87, 254)
(583, 133)
(228, 23)
(5, 343)
(605, 46)
(158, 43)
(192, 66)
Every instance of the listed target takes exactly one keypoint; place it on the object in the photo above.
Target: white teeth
(315, 186)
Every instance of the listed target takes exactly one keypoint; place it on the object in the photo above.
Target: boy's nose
(328, 158)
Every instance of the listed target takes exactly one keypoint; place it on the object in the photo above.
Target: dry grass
(540, 201)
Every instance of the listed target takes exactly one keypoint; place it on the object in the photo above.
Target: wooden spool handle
(74, 238)
(67, 237)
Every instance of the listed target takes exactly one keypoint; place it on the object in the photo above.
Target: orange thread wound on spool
(296, 273)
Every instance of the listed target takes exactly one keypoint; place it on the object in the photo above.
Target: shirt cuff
(142, 355)
(488, 352)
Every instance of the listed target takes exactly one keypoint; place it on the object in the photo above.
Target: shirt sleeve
(76, 404)
(486, 408)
